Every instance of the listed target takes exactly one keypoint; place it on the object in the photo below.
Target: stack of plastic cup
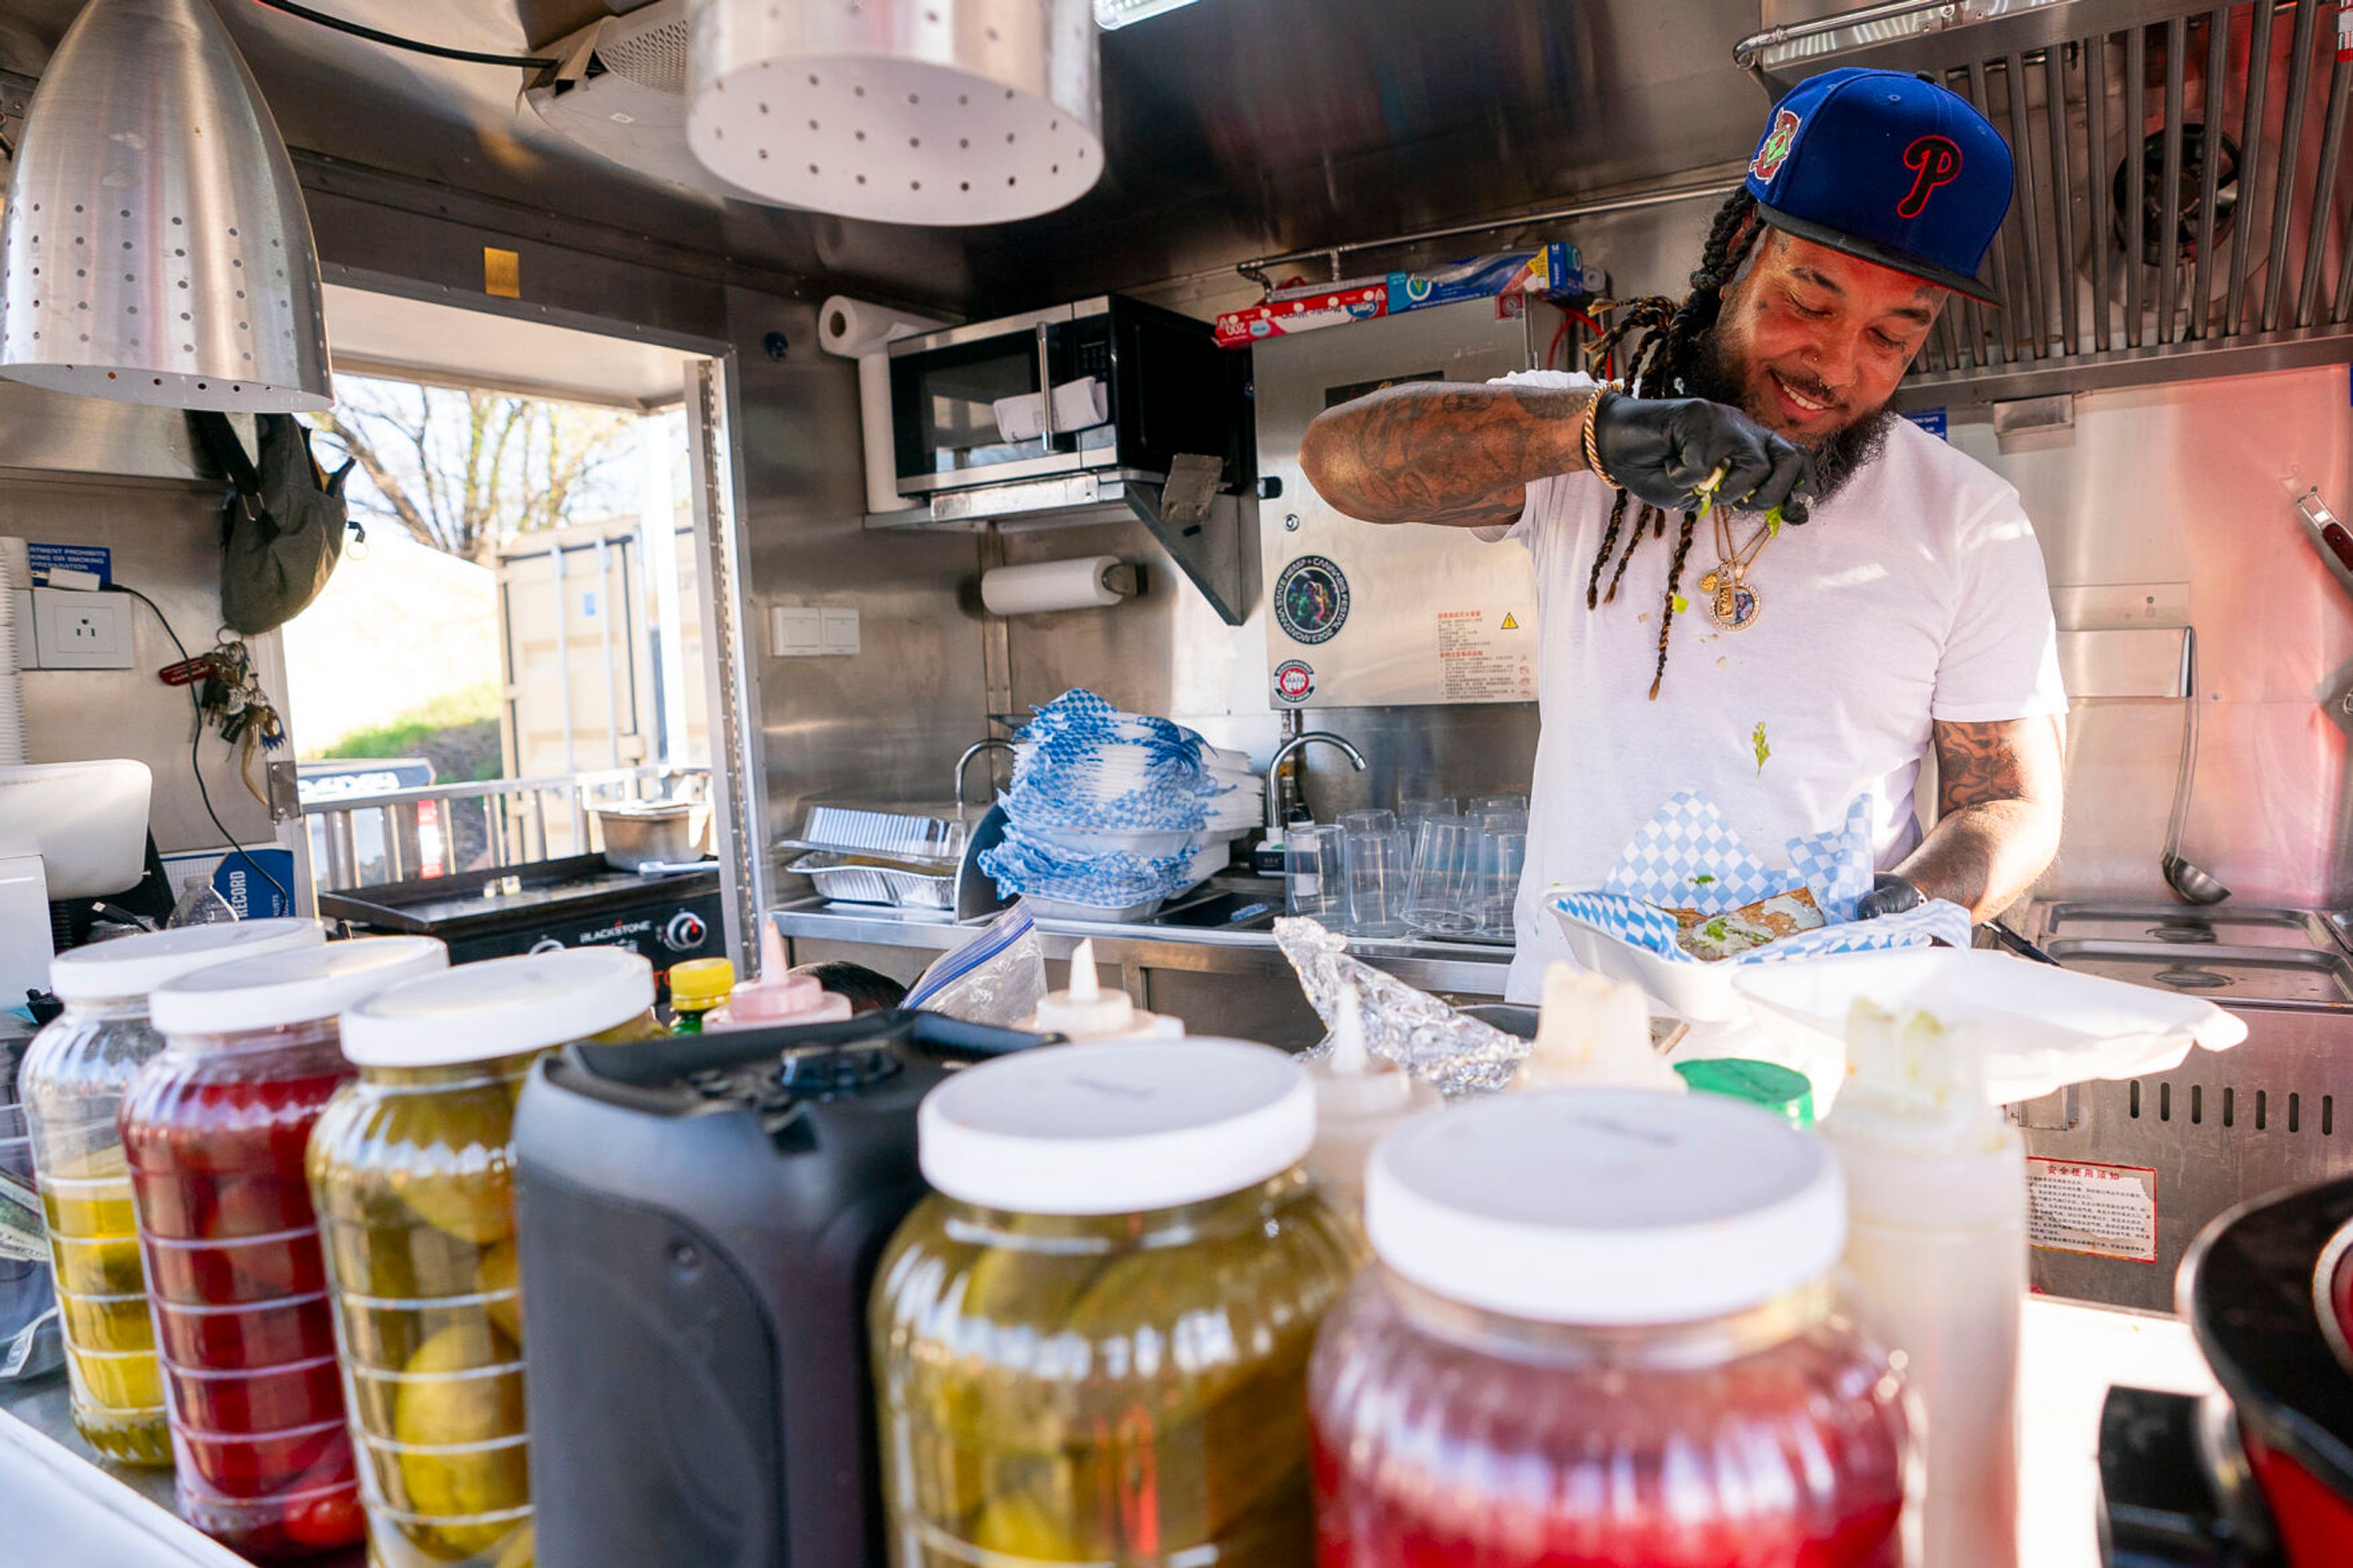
(1373, 853)
(1314, 882)
(1444, 897)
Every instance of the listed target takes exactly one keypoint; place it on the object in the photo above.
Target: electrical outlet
(82, 631)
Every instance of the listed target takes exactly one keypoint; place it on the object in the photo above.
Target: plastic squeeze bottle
(1088, 1012)
(1937, 1234)
(778, 997)
(1593, 1033)
(696, 986)
(1358, 1097)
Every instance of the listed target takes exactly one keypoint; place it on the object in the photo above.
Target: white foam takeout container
(1696, 991)
(2042, 1027)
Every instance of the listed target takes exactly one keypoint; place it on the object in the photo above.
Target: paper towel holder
(1046, 587)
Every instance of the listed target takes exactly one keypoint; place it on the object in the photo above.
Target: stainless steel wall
(887, 723)
(166, 544)
(2181, 496)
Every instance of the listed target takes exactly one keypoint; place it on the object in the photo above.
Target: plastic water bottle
(201, 904)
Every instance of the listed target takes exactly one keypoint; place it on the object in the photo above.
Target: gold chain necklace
(1733, 602)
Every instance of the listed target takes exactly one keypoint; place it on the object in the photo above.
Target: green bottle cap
(1777, 1088)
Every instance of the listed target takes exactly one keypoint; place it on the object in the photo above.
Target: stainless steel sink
(1225, 903)
(2228, 973)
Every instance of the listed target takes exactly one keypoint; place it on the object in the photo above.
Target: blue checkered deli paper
(1688, 856)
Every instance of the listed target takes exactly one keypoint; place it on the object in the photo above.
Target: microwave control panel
(1360, 614)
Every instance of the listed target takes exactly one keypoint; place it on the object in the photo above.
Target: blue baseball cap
(1889, 167)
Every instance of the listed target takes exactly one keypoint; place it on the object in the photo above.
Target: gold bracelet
(1592, 450)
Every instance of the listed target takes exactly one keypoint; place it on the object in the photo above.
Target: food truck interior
(524, 207)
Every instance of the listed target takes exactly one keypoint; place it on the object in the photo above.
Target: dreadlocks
(1666, 342)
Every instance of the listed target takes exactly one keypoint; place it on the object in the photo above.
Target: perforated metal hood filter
(155, 248)
(918, 111)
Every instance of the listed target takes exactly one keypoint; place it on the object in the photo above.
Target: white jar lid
(1606, 1207)
(134, 966)
(500, 1008)
(1116, 1127)
(293, 987)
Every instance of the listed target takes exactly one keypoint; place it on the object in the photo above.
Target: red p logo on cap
(1934, 160)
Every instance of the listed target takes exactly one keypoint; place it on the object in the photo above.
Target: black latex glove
(1890, 895)
(1663, 449)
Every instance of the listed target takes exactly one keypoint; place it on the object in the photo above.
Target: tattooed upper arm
(1434, 452)
(2010, 759)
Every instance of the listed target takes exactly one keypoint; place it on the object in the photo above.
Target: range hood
(2131, 255)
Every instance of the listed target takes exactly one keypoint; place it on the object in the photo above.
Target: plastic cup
(1444, 896)
(1373, 853)
(1503, 855)
(1315, 883)
(1415, 810)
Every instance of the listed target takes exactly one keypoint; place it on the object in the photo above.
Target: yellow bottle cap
(698, 984)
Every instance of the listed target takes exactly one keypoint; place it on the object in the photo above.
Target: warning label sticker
(2104, 1210)
(1484, 655)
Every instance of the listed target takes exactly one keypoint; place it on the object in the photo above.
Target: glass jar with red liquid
(214, 1130)
(1605, 1328)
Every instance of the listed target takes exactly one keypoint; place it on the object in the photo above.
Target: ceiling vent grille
(2179, 206)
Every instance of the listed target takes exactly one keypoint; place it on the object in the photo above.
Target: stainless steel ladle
(2191, 884)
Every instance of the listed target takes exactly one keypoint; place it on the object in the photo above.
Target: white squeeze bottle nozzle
(1936, 1236)
(1593, 1033)
(1087, 1012)
(1358, 1097)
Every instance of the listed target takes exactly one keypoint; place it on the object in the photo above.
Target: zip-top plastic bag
(998, 977)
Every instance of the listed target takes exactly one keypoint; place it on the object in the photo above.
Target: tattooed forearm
(1998, 790)
(1443, 453)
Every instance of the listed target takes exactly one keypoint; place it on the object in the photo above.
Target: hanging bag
(281, 527)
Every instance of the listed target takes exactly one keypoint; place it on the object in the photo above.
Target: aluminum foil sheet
(1432, 1041)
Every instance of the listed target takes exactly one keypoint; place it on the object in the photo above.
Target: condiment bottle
(72, 1083)
(1088, 1012)
(1358, 1097)
(1936, 1193)
(1593, 1033)
(696, 986)
(1608, 1329)
(412, 1172)
(1091, 1342)
(214, 1130)
(778, 997)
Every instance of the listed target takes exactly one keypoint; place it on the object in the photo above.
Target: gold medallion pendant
(1732, 602)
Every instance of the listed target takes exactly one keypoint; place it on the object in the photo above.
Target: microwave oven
(1132, 387)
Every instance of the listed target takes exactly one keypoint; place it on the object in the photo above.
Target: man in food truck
(1755, 581)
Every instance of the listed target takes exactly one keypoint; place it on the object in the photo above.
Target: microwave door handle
(1045, 390)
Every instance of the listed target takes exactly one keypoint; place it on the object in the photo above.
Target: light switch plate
(82, 631)
(810, 631)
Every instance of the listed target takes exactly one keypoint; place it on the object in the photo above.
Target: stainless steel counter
(1226, 982)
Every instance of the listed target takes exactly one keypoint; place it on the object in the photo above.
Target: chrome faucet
(1282, 791)
(956, 786)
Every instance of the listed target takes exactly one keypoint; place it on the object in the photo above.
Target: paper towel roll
(1089, 582)
(857, 329)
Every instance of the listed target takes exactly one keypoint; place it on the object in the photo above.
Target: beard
(1837, 456)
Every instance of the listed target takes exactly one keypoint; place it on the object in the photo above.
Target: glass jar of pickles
(1091, 1342)
(72, 1085)
(412, 1170)
(1605, 1329)
(213, 1133)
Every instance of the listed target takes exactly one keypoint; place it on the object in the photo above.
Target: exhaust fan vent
(652, 55)
(620, 93)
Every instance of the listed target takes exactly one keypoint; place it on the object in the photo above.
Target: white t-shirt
(1915, 594)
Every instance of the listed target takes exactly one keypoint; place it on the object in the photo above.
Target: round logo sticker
(1311, 600)
(1294, 680)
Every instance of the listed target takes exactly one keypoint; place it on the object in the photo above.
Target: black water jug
(698, 1220)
